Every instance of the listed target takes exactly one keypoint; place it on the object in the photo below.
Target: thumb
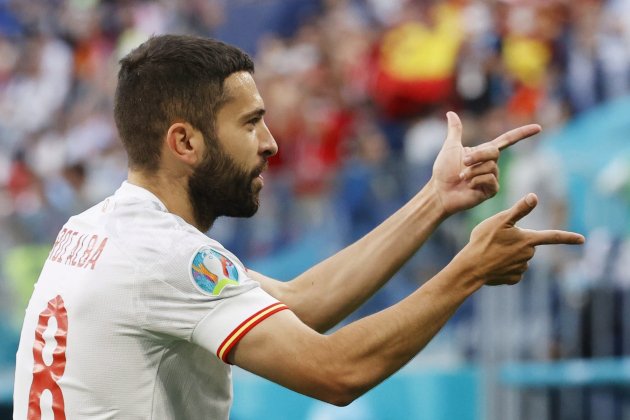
(454, 134)
(521, 208)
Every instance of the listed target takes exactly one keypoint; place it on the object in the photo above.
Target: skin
(242, 135)
(289, 347)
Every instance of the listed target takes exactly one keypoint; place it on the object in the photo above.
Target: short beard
(219, 187)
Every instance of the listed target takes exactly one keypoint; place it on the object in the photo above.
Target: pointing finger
(516, 135)
(522, 208)
(454, 135)
(553, 237)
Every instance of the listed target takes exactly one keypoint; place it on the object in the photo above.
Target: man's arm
(331, 290)
(340, 367)
(462, 178)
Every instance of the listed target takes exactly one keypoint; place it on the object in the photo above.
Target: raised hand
(465, 176)
(499, 251)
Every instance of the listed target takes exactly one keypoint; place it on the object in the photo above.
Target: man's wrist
(464, 269)
(432, 195)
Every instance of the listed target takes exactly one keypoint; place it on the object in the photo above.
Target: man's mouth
(257, 175)
(260, 170)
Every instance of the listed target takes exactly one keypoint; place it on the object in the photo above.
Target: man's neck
(171, 191)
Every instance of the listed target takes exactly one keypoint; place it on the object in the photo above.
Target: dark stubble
(220, 187)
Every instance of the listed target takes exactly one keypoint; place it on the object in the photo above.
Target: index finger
(554, 237)
(516, 135)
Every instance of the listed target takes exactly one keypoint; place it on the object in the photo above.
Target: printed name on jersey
(77, 249)
(211, 271)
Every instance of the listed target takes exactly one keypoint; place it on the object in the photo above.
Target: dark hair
(170, 78)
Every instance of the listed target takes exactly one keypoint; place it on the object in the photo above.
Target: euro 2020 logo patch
(212, 271)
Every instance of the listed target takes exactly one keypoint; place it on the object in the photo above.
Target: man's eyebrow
(258, 112)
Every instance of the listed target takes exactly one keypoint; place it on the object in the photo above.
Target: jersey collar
(128, 189)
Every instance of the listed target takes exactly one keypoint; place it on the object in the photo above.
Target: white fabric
(142, 338)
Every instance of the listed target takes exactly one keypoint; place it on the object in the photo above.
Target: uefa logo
(212, 271)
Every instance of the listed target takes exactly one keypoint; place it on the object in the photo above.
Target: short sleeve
(229, 321)
(203, 295)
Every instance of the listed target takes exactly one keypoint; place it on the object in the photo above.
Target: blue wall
(428, 394)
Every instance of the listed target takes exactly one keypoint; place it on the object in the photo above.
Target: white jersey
(133, 317)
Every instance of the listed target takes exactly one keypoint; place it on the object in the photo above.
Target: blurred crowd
(356, 95)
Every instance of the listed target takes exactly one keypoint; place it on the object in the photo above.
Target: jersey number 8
(46, 376)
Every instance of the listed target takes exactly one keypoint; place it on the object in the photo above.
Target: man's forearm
(340, 367)
(390, 338)
(461, 179)
(358, 271)
(343, 365)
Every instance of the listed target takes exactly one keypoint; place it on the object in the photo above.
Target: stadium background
(356, 93)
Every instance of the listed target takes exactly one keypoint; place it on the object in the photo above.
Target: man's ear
(185, 143)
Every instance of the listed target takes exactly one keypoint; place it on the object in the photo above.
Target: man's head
(171, 78)
(191, 104)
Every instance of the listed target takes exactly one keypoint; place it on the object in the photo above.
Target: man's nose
(267, 144)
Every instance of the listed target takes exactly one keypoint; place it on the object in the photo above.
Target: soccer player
(138, 314)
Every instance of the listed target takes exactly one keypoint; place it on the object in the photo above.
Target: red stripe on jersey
(244, 327)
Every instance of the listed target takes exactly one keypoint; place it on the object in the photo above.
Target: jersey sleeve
(203, 295)
(226, 324)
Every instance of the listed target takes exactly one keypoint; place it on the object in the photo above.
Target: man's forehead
(240, 89)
